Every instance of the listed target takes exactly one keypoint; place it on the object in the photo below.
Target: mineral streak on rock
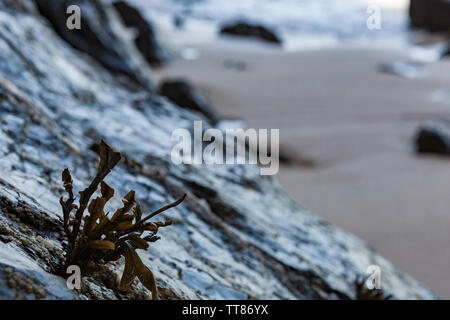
(237, 235)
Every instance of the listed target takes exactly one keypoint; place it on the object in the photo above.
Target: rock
(431, 15)
(405, 69)
(242, 28)
(107, 42)
(447, 51)
(433, 138)
(146, 37)
(21, 278)
(184, 94)
(237, 65)
(237, 235)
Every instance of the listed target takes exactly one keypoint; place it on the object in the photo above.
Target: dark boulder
(246, 29)
(101, 36)
(146, 39)
(447, 51)
(431, 15)
(179, 21)
(184, 94)
(433, 138)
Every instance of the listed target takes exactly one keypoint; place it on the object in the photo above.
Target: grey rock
(186, 95)
(237, 235)
(146, 38)
(179, 21)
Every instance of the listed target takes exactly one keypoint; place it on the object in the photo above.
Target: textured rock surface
(237, 235)
(432, 15)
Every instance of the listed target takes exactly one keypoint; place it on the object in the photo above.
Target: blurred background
(360, 92)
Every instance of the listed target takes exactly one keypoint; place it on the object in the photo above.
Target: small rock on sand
(246, 29)
(433, 138)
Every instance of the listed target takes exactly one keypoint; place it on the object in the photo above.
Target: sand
(356, 124)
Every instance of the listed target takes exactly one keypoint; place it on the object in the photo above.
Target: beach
(349, 129)
(114, 124)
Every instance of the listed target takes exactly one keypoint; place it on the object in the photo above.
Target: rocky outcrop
(433, 138)
(432, 15)
(146, 38)
(236, 236)
(102, 35)
(246, 29)
(184, 94)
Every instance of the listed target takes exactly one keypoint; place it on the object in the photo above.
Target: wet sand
(356, 125)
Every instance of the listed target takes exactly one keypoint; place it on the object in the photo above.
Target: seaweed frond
(96, 238)
(364, 293)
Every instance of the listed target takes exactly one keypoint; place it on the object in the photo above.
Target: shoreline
(355, 126)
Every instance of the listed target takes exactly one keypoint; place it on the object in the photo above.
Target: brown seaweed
(98, 238)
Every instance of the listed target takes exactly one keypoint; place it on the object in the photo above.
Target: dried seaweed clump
(98, 238)
(364, 293)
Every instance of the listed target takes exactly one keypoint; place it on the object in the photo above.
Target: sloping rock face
(103, 36)
(237, 235)
(146, 38)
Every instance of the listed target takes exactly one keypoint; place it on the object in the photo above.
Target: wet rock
(237, 235)
(431, 15)
(102, 35)
(246, 29)
(146, 38)
(184, 94)
(433, 138)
